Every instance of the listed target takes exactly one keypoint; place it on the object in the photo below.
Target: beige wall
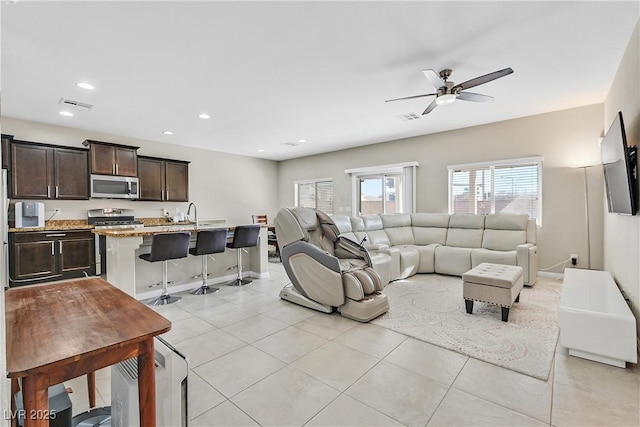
(221, 185)
(565, 139)
(622, 233)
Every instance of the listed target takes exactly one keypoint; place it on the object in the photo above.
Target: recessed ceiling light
(302, 141)
(85, 85)
(261, 150)
(66, 113)
(204, 116)
(168, 132)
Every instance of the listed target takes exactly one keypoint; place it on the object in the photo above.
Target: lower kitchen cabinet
(36, 257)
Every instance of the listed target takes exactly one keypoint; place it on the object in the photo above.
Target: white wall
(622, 233)
(565, 139)
(221, 185)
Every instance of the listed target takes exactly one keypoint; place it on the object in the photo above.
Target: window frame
(492, 165)
(406, 170)
(383, 178)
(296, 191)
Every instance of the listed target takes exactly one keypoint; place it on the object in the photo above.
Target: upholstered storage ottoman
(494, 284)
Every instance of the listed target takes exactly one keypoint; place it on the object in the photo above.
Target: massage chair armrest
(313, 251)
(527, 258)
(348, 249)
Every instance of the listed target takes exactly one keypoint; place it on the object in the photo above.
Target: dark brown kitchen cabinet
(36, 257)
(6, 141)
(40, 171)
(112, 159)
(163, 179)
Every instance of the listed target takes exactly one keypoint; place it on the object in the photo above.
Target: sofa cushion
(378, 238)
(396, 220)
(478, 256)
(466, 221)
(343, 222)
(427, 258)
(454, 261)
(409, 260)
(430, 220)
(372, 222)
(400, 235)
(503, 240)
(357, 224)
(506, 221)
(429, 235)
(464, 237)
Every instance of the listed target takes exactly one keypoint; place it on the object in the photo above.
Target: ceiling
(270, 74)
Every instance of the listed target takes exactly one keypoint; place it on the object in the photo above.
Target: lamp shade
(445, 99)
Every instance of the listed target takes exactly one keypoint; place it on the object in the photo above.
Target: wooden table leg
(147, 383)
(91, 385)
(35, 396)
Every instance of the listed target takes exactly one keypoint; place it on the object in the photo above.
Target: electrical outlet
(574, 259)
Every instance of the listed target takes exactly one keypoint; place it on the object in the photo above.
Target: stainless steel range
(109, 218)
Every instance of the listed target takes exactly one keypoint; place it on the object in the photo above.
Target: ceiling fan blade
(434, 78)
(483, 79)
(474, 97)
(431, 107)
(411, 97)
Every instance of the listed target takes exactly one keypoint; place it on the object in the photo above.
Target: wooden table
(60, 331)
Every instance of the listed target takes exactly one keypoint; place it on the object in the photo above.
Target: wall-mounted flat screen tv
(619, 163)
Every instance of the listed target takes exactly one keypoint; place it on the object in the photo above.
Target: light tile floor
(258, 360)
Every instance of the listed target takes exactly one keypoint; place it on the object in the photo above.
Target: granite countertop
(150, 231)
(81, 224)
(56, 225)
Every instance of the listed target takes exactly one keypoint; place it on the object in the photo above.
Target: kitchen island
(140, 279)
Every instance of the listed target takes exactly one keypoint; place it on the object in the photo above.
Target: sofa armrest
(375, 247)
(527, 258)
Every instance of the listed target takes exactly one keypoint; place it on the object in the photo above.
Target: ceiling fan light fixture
(445, 99)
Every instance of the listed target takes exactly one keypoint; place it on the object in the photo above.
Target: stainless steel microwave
(114, 187)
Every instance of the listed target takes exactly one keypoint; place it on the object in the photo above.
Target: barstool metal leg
(204, 288)
(239, 281)
(164, 298)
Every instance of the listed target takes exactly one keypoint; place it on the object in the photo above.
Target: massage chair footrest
(366, 309)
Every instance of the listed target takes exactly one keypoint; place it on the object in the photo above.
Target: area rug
(431, 308)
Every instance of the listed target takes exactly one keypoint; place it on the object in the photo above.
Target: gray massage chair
(327, 272)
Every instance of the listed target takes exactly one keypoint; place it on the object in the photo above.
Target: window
(380, 194)
(512, 186)
(383, 189)
(316, 194)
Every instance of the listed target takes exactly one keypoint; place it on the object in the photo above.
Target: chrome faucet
(195, 213)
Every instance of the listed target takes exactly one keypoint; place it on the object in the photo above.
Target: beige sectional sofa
(402, 245)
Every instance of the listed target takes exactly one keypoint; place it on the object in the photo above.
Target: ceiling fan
(448, 92)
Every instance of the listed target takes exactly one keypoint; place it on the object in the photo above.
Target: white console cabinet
(595, 321)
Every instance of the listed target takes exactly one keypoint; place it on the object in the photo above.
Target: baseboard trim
(548, 275)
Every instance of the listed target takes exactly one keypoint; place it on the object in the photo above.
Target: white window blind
(500, 187)
(315, 194)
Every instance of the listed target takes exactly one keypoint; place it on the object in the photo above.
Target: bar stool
(166, 246)
(244, 236)
(208, 242)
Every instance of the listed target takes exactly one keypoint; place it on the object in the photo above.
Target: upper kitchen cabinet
(40, 171)
(6, 140)
(163, 179)
(112, 159)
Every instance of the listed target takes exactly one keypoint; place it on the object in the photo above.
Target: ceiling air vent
(75, 104)
(408, 117)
